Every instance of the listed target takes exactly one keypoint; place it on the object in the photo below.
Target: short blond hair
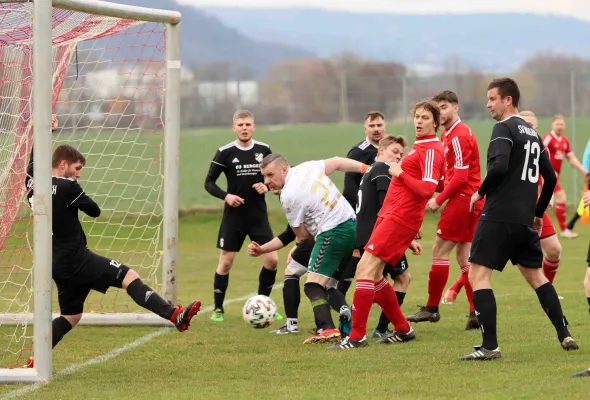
(388, 140)
(241, 114)
(527, 113)
(558, 116)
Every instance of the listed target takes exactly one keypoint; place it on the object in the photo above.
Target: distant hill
(205, 39)
(488, 41)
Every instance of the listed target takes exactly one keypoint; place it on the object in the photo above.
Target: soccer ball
(259, 311)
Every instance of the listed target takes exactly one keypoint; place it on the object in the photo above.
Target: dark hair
(373, 115)
(68, 154)
(430, 106)
(446, 95)
(506, 87)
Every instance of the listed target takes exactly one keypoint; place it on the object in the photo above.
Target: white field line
(72, 369)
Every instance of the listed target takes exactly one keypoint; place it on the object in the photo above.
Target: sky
(573, 8)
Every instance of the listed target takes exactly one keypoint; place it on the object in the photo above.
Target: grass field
(214, 361)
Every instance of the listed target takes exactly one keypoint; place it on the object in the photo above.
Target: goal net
(109, 88)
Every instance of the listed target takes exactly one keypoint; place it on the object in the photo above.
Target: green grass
(307, 142)
(232, 360)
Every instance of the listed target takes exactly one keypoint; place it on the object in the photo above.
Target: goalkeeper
(75, 269)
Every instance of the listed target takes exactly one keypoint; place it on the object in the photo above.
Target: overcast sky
(575, 8)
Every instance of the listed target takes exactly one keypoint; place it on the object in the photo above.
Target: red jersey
(424, 162)
(559, 147)
(462, 152)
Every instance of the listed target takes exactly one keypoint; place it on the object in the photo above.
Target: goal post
(130, 135)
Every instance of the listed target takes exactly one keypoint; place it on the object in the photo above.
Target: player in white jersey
(316, 209)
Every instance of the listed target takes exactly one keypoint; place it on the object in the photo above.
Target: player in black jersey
(365, 152)
(511, 220)
(75, 269)
(245, 207)
(371, 194)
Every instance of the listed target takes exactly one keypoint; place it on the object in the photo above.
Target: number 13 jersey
(514, 199)
(310, 198)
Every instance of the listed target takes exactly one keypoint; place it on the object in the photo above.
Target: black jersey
(69, 240)
(513, 197)
(241, 167)
(371, 195)
(366, 153)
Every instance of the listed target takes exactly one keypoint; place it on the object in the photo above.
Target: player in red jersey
(549, 241)
(457, 224)
(559, 148)
(414, 182)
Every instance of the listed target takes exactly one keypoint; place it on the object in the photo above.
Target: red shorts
(390, 240)
(557, 187)
(548, 227)
(456, 222)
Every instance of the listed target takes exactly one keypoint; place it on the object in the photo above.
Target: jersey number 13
(533, 150)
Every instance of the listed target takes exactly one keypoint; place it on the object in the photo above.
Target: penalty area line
(72, 369)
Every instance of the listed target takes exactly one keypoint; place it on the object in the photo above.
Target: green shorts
(332, 248)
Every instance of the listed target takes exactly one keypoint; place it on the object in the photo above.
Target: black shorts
(302, 252)
(392, 270)
(588, 256)
(234, 229)
(494, 243)
(96, 273)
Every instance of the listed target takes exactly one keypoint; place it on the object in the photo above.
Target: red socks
(361, 307)
(458, 285)
(468, 289)
(550, 269)
(386, 298)
(560, 214)
(437, 280)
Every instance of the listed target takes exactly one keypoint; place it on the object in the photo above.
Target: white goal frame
(42, 144)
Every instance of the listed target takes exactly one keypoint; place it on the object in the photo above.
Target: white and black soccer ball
(259, 311)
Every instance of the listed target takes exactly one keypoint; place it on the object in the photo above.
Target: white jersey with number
(310, 198)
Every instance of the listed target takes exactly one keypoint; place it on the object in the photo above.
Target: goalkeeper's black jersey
(69, 240)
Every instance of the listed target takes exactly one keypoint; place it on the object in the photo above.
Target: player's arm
(461, 148)
(431, 165)
(80, 200)
(549, 182)
(498, 156)
(382, 182)
(352, 180)
(344, 165)
(215, 169)
(571, 157)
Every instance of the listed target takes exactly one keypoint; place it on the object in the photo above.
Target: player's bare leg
(221, 282)
(587, 285)
(560, 214)
(485, 310)
(552, 249)
(437, 280)
(550, 304)
(315, 290)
